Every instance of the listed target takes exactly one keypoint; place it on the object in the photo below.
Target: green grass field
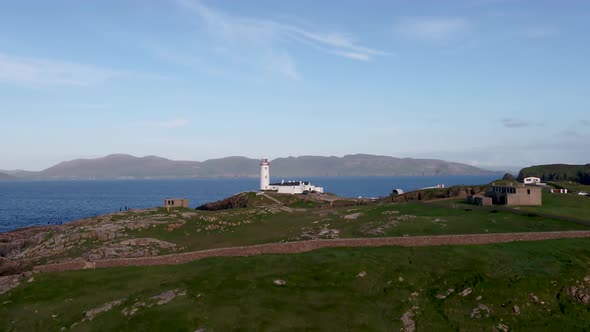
(323, 291)
(569, 205)
(573, 187)
(299, 219)
(251, 226)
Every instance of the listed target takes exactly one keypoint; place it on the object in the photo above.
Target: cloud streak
(165, 123)
(173, 123)
(431, 29)
(25, 70)
(539, 31)
(283, 64)
(255, 36)
(514, 123)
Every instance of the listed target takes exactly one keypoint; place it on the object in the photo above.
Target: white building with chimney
(284, 187)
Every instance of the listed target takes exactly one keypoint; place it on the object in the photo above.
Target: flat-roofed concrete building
(176, 202)
(532, 180)
(517, 194)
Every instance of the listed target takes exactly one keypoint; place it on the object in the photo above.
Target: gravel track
(305, 246)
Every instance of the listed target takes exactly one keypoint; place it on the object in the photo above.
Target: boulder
(516, 310)
(466, 292)
(279, 282)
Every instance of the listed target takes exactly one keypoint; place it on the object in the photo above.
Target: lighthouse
(284, 187)
(264, 174)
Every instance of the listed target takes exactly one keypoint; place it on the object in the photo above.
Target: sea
(34, 203)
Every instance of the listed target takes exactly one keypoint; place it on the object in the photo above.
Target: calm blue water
(28, 203)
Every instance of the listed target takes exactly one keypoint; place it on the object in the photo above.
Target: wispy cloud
(431, 29)
(514, 123)
(88, 107)
(584, 122)
(266, 36)
(539, 31)
(168, 123)
(25, 70)
(160, 51)
(283, 64)
(570, 133)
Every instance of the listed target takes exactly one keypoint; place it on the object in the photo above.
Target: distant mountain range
(4, 176)
(120, 166)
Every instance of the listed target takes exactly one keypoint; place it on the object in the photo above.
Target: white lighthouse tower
(264, 174)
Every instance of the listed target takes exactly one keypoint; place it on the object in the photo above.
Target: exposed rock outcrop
(318, 232)
(438, 193)
(12, 281)
(466, 292)
(141, 247)
(408, 321)
(159, 299)
(234, 202)
(90, 314)
(508, 177)
(581, 291)
(480, 311)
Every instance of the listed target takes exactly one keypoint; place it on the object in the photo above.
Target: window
(528, 191)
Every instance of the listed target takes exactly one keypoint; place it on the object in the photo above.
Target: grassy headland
(517, 286)
(520, 286)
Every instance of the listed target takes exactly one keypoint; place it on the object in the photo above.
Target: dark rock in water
(509, 177)
(234, 202)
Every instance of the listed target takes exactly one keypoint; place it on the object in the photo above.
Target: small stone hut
(176, 202)
(479, 200)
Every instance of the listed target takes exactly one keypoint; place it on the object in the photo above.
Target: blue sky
(491, 83)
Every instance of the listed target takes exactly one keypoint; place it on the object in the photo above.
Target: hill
(127, 166)
(558, 172)
(119, 166)
(4, 176)
(369, 165)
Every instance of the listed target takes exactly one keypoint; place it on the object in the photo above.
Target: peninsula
(313, 255)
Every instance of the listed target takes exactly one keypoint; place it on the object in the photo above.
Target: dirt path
(305, 246)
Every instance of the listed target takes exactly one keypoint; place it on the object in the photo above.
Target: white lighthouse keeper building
(284, 187)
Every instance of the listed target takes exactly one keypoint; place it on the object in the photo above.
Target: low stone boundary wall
(305, 246)
(59, 267)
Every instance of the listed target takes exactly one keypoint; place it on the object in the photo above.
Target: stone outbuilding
(479, 200)
(176, 202)
(515, 194)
